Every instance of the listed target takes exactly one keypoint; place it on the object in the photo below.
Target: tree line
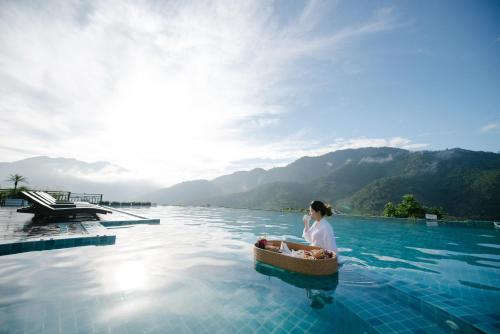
(409, 207)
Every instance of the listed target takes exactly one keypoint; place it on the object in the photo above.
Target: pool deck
(19, 235)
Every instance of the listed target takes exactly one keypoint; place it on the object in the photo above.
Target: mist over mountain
(114, 182)
(358, 181)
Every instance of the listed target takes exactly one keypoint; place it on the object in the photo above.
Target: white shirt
(320, 234)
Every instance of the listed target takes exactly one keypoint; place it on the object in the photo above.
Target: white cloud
(256, 123)
(399, 142)
(107, 174)
(490, 127)
(377, 160)
(174, 90)
(298, 145)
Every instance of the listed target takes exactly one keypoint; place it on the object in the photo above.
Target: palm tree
(16, 178)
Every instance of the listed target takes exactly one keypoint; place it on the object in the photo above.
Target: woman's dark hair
(318, 206)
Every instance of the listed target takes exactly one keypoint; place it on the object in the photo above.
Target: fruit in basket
(261, 243)
(318, 254)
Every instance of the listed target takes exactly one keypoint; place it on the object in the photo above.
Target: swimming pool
(194, 273)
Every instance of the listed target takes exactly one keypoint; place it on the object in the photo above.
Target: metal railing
(91, 198)
(126, 204)
(76, 197)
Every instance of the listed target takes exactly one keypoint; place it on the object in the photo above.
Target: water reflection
(129, 276)
(394, 262)
(473, 259)
(319, 289)
(478, 285)
(50, 229)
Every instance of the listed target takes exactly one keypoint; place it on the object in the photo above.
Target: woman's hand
(306, 219)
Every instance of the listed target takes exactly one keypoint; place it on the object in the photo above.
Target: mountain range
(464, 183)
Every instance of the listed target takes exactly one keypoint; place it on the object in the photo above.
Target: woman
(320, 234)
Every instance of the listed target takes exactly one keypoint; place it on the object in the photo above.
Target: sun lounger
(37, 196)
(43, 205)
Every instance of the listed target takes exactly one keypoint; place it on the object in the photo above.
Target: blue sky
(193, 89)
(433, 76)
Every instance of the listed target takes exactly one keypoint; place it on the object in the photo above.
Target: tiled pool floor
(398, 306)
(195, 273)
(372, 307)
(447, 307)
(380, 305)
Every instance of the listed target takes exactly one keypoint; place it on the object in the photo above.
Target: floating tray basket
(298, 265)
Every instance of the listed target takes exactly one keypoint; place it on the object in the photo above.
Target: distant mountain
(360, 181)
(275, 195)
(76, 176)
(465, 183)
(186, 193)
(240, 181)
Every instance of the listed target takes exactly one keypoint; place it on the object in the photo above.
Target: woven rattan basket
(298, 265)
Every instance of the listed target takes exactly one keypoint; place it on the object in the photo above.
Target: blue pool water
(194, 273)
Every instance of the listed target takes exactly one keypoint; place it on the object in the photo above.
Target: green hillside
(465, 184)
(472, 194)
